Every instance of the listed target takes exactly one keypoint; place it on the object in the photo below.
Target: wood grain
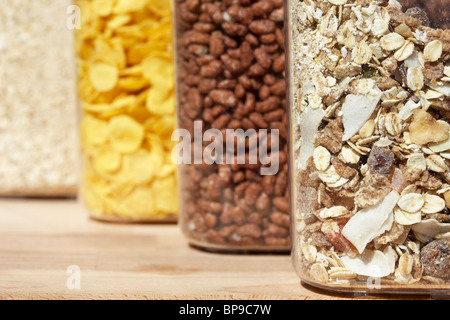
(40, 239)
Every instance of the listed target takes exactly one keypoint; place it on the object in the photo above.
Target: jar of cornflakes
(232, 125)
(126, 90)
(369, 128)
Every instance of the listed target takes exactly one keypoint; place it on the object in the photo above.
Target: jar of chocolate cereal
(231, 141)
(370, 146)
(127, 100)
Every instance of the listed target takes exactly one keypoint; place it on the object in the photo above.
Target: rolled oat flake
(369, 125)
(37, 99)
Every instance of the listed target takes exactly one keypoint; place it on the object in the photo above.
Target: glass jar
(230, 85)
(370, 143)
(38, 104)
(127, 100)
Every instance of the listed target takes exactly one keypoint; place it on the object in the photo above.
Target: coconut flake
(413, 61)
(371, 222)
(428, 230)
(372, 263)
(309, 124)
(408, 109)
(444, 89)
(357, 109)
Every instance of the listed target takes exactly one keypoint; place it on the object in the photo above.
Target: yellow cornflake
(103, 76)
(127, 97)
(93, 131)
(106, 160)
(161, 7)
(125, 134)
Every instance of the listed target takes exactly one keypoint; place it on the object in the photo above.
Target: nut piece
(424, 128)
(433, 51)
(321, 158)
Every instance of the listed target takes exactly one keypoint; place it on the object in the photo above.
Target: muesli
(370, 113)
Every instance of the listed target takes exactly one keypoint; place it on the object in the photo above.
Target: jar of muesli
(232, 124)
(369, 113)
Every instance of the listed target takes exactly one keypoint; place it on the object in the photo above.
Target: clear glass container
(127, 101)
(369, 144)
(37, 100)
(230, 83)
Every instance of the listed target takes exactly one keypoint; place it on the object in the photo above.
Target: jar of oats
(37, 102)
(126, 90)
(232, 125)
(370, 145)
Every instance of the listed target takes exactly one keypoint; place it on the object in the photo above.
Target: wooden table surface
(41, 240)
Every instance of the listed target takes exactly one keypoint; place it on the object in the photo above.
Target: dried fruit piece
(332, 230)
(435, 258)
(381, 161)
(371, 222)
(425, 129)
(398, 180)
